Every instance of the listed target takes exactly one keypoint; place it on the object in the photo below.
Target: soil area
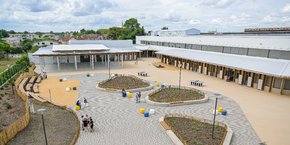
(193, 132)
(126, 82)
(175, 95)
(11, 107)
(60, 127)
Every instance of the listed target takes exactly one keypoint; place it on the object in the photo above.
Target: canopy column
(93, 65)
(58, 64)
(76, 64)
(108, 60)
(122, 60)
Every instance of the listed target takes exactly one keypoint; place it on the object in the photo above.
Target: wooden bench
(35, 88)
(165, 125)
(38, 80)
(37, 97)
(28, 87)
(32, 79)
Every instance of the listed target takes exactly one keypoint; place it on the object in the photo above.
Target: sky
(205, 15)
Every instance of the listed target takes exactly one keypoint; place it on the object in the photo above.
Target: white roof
(83, 47)
(47, 51)
(273, 67)
(151, 47)
(257, 42)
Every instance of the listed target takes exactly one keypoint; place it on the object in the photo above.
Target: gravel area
(60, 126)
(126, 82)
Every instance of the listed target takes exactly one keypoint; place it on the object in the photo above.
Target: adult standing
(86, 104)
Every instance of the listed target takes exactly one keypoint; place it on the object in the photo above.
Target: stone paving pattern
(118, 121)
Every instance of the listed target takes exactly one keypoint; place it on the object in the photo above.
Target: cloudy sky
(206, 15)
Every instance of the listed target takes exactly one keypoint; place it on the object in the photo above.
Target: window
(287, 85)
(277, 83)
(268, 81)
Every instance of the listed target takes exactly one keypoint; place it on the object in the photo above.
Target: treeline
(130, 29)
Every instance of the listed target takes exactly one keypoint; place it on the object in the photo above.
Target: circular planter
(176, 103)
(127, 90)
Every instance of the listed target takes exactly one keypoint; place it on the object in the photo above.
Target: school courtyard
(254, 116)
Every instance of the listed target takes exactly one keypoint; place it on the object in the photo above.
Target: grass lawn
(175, 95)
(5, 62)
(126, 82)
(194, 132)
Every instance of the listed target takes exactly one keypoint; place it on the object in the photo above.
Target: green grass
(5, 62)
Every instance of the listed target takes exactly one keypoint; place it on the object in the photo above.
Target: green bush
(7, 105)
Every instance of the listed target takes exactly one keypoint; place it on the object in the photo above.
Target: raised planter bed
(173, 96)
(129, 82)
(189, 130)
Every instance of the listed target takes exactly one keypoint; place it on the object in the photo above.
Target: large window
(277, 83)
(287, 85)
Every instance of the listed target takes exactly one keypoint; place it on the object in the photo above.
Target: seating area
(142, 73)
(196, 83)
(30, 86)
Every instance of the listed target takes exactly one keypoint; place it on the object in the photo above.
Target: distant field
(5, 62)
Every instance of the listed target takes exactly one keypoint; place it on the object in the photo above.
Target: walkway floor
(118, 120)
(267, 112)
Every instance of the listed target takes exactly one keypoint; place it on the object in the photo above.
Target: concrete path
(118, 121)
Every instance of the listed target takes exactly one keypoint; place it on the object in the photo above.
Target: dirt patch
(11, 107)
(175, 95)
(126, 82)
(193, 132)
(60, 127)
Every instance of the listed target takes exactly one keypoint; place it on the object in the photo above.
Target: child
(91, 124)
(86, 102)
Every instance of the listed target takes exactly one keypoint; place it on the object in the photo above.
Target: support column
(57, 60)
(102, 56)
(109, 60)
(76, 64)
(122, 60)
(147, 53)
(93, 65)
(271, 84)
(252, 76)
(282, 86)
(105, 59)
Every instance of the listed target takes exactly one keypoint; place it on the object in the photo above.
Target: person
(91, 124)
(124, 93)
(86, 102)
(86, 122)
(83, 122)
(139, 97)
(79, 104)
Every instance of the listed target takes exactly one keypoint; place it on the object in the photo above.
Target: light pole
(42, 111)
(109, 66)
(213, 125)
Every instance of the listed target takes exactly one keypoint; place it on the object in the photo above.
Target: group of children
(87, 123)
(138, 95)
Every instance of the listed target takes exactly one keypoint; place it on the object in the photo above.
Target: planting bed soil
(126, 82)
(11, 107)
(193, 132)
(175, 95)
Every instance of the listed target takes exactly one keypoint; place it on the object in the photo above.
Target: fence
(9, 132)
(10, 72)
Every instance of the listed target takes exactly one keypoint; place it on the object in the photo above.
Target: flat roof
(83, 47)
(268, 66)
(256, 42)
(47, 51)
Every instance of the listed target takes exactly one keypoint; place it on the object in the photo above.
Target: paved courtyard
(118, 121)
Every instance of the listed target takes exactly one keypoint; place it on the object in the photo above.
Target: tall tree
(3, 33)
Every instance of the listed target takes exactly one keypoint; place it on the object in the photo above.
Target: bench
(35, 88)
(32, 79)
(196, 83)
(165, 126)
(38, 80)
(142, 74)
(28, 87)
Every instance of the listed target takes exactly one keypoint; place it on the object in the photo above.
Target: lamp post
(43, 125)
(214, 116)
(109, 64)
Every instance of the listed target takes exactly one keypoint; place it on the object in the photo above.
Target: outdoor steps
(32, 79)
(35, 88)
(38, 80)
(37, 97)
(22, 85)
(28, 87)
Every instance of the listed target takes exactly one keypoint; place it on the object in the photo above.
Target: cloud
(270, 19)
(37, 6)
(286, 8)
(89, 7)
(218, 3)
(194, 22)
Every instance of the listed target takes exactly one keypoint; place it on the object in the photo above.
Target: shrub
(7, 106)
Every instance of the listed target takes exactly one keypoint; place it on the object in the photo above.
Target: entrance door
(85, 58)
